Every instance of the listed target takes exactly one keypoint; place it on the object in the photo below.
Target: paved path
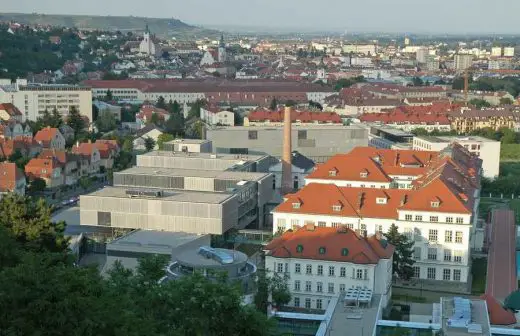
(501, 269)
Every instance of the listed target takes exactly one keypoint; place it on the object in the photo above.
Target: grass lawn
(478, 274)
(486, 204)
(515, 206)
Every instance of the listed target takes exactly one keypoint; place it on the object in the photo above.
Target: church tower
(147, 46)
(222, 53)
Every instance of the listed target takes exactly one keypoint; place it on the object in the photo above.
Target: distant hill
(161, 27)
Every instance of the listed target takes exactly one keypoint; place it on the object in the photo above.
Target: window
(322, 250)
(416, 272)
(418, 218)
(432, 253)
(342, 287)
(320, 269)
(435, 204)
(417, 253)
(252, 135)
(336, 207)
(297, 285)
(350, 226)
(449, 219)
(319, 304)
(297, 302)
(286, 267)
(381, 200)
(359, 274)
(458, 237)
(379, 228)
(308, 269)
(308, 303)
(319, 287)
(460, 220)
(104, 218)
(417, 235)
(448, 236)
(331, 287)
(432, 235)
(279, 268)
(296, 205)
(333, 172)
(408, 233)
(297, 268)
(344, 251)
(322, 224)
(295, 223)
(331, 270)
(447, 255)
(308, 286)
(431, 273)
(302, 135)
(336, 224)
(365, 273)
(434, 218)
(363, 174)
(457, 256)
(456, 275)
(363, 228)
(280, 223)
(446, 274)
(342, 272)
(299, 249)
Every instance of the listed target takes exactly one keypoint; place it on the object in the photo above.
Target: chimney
(287, 150)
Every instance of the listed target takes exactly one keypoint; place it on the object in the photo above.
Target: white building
(216, 116)
(323, 263)
(147, 46)
(432, 200)
(462, 61)
(496, 51)
(301, 167)
(421, 55)
(33, 99)
(509, 51)
(486, 149)
(366, 49)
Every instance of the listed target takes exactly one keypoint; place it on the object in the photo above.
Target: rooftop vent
(145, 193)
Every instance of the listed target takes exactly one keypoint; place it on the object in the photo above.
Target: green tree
(479, 103)
(506, 101)
(149, 144)
(37, 185)
(155, 119)
(402, 261)
(160, 103)
(109, 97)
(280, 290)
(175, 124)
(128, 145)
(165, 137)
(85, 182)
(75, 121)
(274, 105)
(56, 119)
(291, 103)
(30, 223)
(417, 81)
(174, 107)
(195, 108)
(508, 136)
(106, 122)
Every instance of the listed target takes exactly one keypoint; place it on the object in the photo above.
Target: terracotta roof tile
(359, 250)
(9, 174)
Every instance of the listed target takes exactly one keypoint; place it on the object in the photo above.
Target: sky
(405, 16)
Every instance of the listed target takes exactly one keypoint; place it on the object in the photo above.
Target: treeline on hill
(509, 84)
(44, 293)
(32, 51)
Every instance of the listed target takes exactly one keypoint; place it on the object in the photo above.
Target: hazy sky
(450, 16)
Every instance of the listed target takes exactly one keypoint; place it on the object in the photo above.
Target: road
(501, 277)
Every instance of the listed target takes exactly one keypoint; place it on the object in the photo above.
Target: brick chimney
(287, 150)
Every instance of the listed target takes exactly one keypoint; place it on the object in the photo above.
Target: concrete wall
(318, 144)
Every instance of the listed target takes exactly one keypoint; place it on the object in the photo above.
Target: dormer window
(333, 172)
(435, 204)
(363, 174)
(296, 205)
(322, 250)
(336, 207)
(381, 200)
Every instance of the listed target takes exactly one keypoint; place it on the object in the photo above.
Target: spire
(222, 44)
(146, 29)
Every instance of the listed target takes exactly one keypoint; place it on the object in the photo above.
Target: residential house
(47, 169)
(107, 108)
(12, 179)
(214, 115)
(50, 137)
(322, 263)
(146, 113)
(10, 112)
(467, 120)
(69, 163)
(14, 129)
(301, 167)
(67, 132)
(28, 147)
(150, 131)
(265, 117)
(90, 152)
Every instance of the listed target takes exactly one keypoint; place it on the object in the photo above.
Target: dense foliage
(403, 255)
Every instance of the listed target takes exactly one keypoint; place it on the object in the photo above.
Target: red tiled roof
(360, 250)
(497, 314)
(45, 135)
(9, 174)
(12, 110)
(302, 116)
(41, 168)
(146, 112)
(85, 149)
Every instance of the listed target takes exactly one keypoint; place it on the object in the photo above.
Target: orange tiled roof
(9, 174)
(45, 135)
(360, 250)
(12, 110)
(85, 149)
(42, 168)
(303, 116)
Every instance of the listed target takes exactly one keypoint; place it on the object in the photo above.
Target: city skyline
(403, 16)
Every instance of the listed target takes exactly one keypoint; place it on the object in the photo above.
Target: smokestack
(287, 152)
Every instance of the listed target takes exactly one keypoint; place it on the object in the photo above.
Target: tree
(175, 124)
(290, 103)
(75, 121)
(402, 261)
(106, 122)
(174, 107)
(160, 103)
(274, 105)
(315, 105)
(508, 136)
(275, 286)
(149, 144)
(30, 223)
(155, 119)
(506, 101)
(165, 137)
(128, 146)
(479, 103)
(417, 81)
(108, 96)
(37, 185)
(195, 109)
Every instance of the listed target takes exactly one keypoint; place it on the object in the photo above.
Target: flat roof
(188, 141)
(479, 315)
(327, 127)
(224, 175)
(150, 241)
(460, 139)
(364, 324)
(392, 130)
(176, 195)
(213, 156)
(193, 258)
